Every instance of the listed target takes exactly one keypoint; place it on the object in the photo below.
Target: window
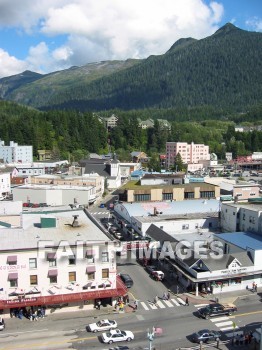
(167, 196)
(13, 283)
(185, 227)
(53, 279)
(104, 256)
(72, 276)
(33, 280)
(32, 263)
(52, 262)
(71, 260)
(142, 197)
(105, 273)
(207, 194)
(91, 275)
(189, 195)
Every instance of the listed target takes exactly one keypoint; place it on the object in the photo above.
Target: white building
(56, 257)
(54, 195)
(15, 153)
(5, 185)
(28, 170)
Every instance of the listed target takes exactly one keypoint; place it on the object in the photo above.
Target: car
(102, 325)
(127, 280)
(116, 336)
(118, 235)
(205, 335)
(158, 275)
(113, 229)
(216, 310)
(151, 268)
(102, 205)
(2, 324)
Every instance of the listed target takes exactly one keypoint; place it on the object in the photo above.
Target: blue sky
(50, 35)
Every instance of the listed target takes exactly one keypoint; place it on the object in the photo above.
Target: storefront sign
(19, 300)
(228, 272)
(12, 267)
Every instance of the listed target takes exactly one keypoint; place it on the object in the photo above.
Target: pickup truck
(216, 310)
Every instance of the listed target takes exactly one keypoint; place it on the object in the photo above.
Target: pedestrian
(156, 300)
(98, 304)
(237, 339)
(256, 288)
(187, 302)
(164, 296)
(135, 305)
(168, 295)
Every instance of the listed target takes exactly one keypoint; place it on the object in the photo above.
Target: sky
(49, 35)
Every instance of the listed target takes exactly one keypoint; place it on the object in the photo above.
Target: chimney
(75, 222)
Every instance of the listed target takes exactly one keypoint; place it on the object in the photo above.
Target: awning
(90, 269)
(12, 276)
(52, 273)
(51, 256)
(89, 252)
(12, 259)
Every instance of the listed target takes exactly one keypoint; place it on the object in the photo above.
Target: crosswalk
(100, 213)
(162, 304)
(225, 324)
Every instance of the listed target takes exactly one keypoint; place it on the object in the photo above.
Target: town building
(133, 192)
(190, 153)
(170, 216)
(5, 184)
(56, 257)
(15, 153)
(109, 122)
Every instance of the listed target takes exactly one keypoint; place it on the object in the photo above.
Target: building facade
(5, 185)
(15, 153)
(51, 258)
(190, 153)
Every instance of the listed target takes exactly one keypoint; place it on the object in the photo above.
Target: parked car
(116, 336)
(127, 280)
(216, 310)
(102, 205)
(2, 324)
(158, 275)
(150, 268)
(113, 229)
(205, 335)
(102, 325)
(118, 235)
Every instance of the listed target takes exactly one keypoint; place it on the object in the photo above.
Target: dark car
(127, 280)
(151, 268)
(205, 335)
(216, 310)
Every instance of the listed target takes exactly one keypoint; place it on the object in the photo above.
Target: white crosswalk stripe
(161, 304)
(175, 302)
(168, 303)
(181, 301)
(144, 305)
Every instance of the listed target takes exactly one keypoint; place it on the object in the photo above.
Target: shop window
(53, 279)
(72, 276)
(104, 256)
(33, 280)
(185, 227)
(71, 260)
(13, 283)
(52, 263)
(91, 275)
(235, 281)
(105, 273)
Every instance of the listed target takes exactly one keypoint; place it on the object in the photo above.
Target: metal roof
(243, 240)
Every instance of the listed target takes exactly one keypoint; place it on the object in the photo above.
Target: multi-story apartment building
(5, 184)
(56, 257)
(190, 153)
(15, 153)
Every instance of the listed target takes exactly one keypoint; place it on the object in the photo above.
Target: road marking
(140, 317)
(35, 330)
(168, 303)
(246, 314)
(198, 306)
(175, 302)
(153, 306)
(181, 301)
(144, 305)
(228, 328)
(217, 319)
(221, 324)
(161, 305)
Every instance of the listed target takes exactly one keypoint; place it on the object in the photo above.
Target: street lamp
(150, 337)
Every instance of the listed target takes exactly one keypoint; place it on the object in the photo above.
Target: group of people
(31, 313)
(243, 339)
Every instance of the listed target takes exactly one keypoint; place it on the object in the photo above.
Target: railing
(205, 345)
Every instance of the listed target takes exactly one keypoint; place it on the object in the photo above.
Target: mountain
(222, 70)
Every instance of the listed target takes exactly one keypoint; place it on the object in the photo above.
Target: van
(127, 280)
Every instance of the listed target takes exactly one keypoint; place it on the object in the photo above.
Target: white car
(102, 325)
(2, 324)
(116, 336)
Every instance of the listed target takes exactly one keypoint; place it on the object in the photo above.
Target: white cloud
(103, 30)
(9, 65)
(255, 23)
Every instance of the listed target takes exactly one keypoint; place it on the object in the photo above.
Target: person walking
(135, 305)
(156, 300)
(187, 302)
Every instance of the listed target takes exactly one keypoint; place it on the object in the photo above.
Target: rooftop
(31, 232)
(243, 240)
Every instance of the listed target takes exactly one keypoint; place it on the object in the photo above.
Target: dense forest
(222, 71)
(72, 134)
